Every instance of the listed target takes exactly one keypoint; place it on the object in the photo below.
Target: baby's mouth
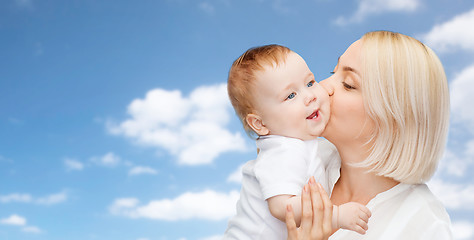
(313, 115)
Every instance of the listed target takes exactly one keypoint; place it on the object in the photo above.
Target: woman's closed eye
(347, 86)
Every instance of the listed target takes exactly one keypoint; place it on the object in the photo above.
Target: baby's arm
(351, 216)
(277, 206)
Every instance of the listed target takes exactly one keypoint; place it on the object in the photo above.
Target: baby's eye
(291, 96)
(310, 84)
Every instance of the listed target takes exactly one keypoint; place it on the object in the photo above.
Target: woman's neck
(356, 184)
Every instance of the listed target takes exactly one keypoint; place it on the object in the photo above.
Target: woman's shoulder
(431, 212)
(415, 198)
(408, 211)
(428, 201)
(418, 202)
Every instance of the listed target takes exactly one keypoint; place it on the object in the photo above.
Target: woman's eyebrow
(349, 69)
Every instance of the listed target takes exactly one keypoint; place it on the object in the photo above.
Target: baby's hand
(353, 216)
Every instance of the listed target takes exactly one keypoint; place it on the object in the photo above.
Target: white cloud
(282, 7)
(207, 7)
(52, 199)
(138, 170)
(371, 7)
(454, 34)
(32, 229)
(190, 128)
(461, 90)
(215, 237)
(15, 121)
(123, 206)
(463, 230)
(24, 3)
(16, 197)
(14, 220)
(39, 50)
(209, 205)
(73, 165)
(20, 221)
(454, 196)
(27, 198)
(236, 176)
(453, 165)
(469, 151)
(108, 160)
(4, 159)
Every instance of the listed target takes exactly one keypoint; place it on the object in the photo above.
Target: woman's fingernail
(311, 180)
(305, 188)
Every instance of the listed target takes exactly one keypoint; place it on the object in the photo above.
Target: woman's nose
(328, 85)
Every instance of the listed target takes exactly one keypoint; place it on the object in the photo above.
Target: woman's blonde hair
(406, 94)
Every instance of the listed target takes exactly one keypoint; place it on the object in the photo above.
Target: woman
(389, 121)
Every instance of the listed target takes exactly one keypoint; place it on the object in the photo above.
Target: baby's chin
(311, 136)
(318, 131)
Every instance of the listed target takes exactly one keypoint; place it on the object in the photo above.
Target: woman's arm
(316, 215)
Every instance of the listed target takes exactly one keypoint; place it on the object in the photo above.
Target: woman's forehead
(350, 60)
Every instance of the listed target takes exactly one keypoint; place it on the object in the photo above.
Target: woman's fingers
(327, 218)
(317, 202)
(290, 223)
(316, 214)
(307, 211)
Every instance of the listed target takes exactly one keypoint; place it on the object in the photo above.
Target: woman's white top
(406, 211)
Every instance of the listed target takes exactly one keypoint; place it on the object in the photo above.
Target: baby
(276, 97)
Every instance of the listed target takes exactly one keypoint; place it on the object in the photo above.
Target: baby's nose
(310, 98)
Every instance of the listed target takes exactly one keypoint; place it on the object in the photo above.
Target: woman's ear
(255, 122)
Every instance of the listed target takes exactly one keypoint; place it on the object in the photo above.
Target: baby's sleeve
(282, 170)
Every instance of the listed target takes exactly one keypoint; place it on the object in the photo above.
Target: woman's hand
(316, 216)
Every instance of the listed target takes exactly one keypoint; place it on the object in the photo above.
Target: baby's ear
(255, 122)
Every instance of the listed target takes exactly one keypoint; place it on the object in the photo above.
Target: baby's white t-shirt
(283, 166)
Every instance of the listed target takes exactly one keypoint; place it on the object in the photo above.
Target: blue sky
(115, 122)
